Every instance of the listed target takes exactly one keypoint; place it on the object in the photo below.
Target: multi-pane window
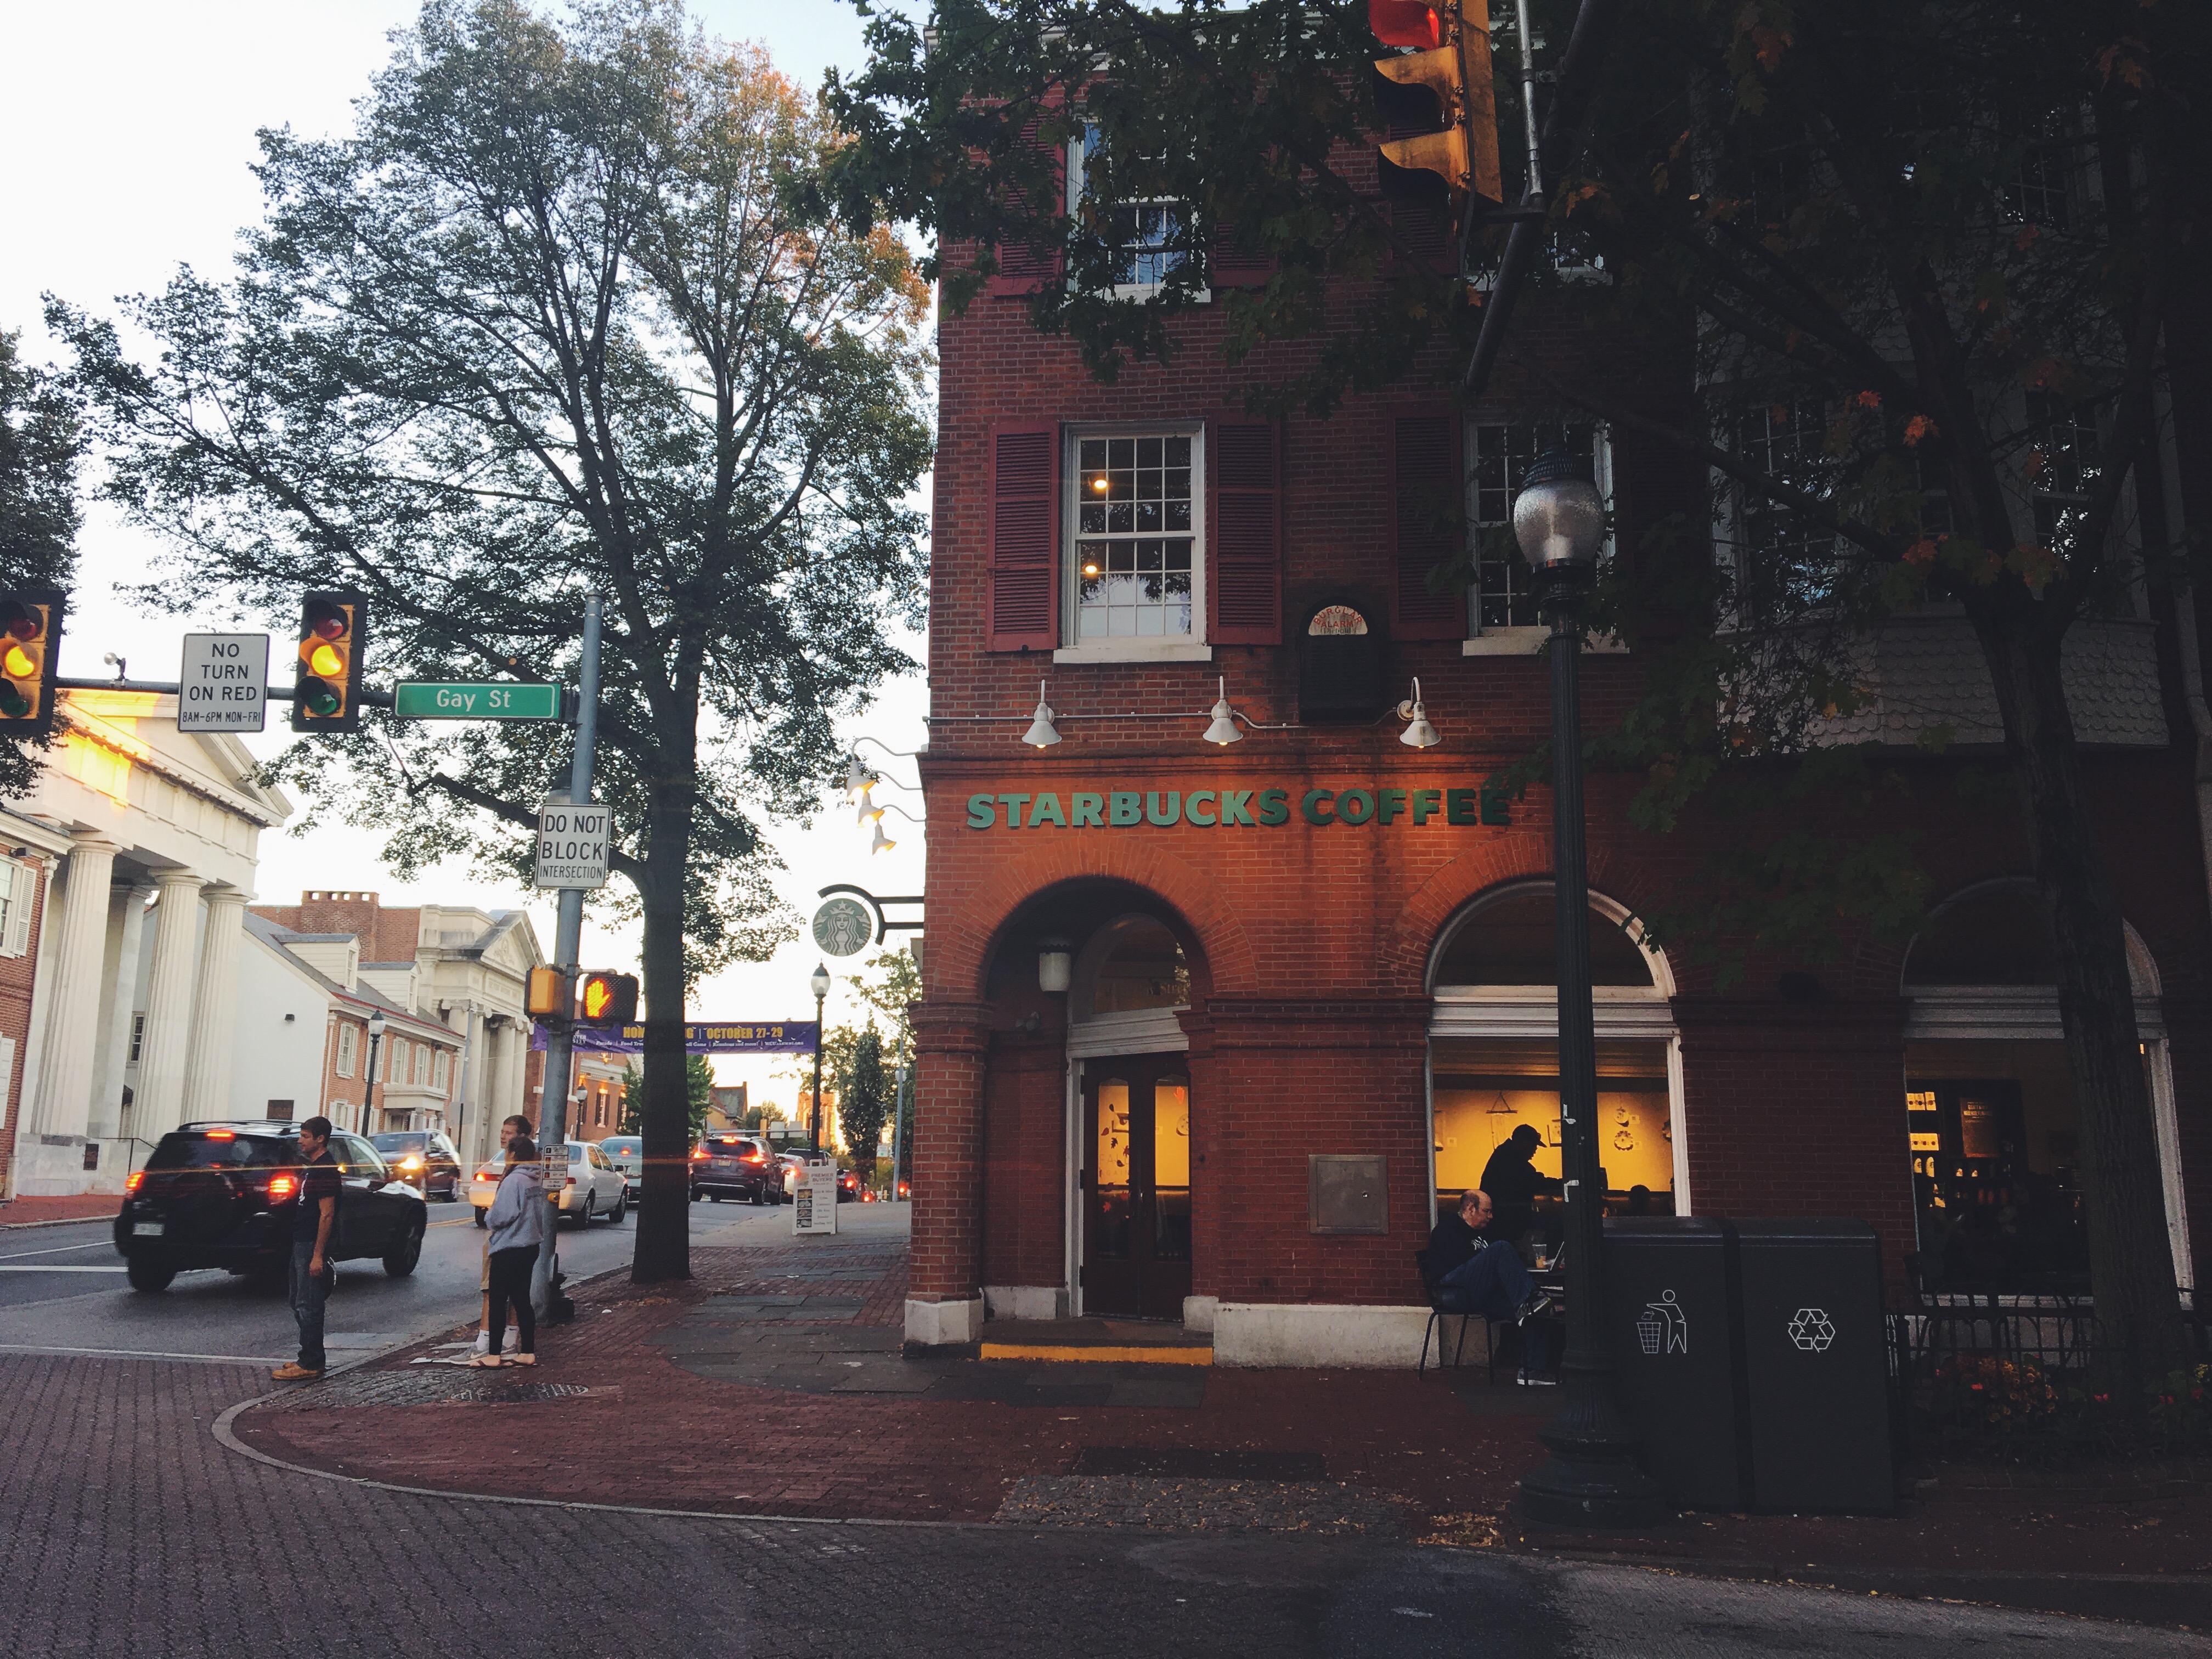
(1786, 559)
(2040, 193)
(2061, 467)
(1136, 541)
(438, 1076)
(422, 1065)
(1144, 233)
(1505, 586)
(348, 1043)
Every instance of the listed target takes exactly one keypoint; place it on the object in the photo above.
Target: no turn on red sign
(572, 845)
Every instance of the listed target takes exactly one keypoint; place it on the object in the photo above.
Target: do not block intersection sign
(572, 845)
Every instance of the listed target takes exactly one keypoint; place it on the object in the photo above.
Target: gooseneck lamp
(1592, 1477)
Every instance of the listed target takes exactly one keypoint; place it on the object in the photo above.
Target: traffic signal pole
(568, 947)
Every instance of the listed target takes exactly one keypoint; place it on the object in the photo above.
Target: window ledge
(1527, 642)
(1135, 650)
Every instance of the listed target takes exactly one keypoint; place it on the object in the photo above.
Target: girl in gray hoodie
(517, 1221)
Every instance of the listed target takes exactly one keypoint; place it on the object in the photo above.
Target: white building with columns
(130, 1035)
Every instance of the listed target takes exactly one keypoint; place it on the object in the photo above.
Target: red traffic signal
(1450, 57)
(327, 685)
(607, 999)
(30, 635)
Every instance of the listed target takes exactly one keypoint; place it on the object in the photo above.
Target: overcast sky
(129, 129)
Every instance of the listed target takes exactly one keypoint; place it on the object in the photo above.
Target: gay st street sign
(497, 700)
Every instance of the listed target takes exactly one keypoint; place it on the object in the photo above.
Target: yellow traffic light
(326, 691)
(1451, 58)
(30, 632)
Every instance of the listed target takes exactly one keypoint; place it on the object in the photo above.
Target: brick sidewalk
(608, 1416)
(32, 1212)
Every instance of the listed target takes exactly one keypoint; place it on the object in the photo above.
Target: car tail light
(222, 1134)
(282, 1187)
(570, 1181)
(411, 1163)
(488, 1173)
(131, 1181)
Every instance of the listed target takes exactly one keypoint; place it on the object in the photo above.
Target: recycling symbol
(1810, 1330)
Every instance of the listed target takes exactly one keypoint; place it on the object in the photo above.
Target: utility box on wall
(1347, 1193)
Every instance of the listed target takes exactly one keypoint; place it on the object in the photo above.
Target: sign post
(223, 683)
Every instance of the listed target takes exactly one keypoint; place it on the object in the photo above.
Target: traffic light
(1451, 58)
(30, 635)
(333, 641)
(548, 991)
(607, 999)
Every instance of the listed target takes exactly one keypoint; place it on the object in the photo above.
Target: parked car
(594, 1186)
(724, 1165)
(423, 1159)
(627, 1153)
(223, 1195)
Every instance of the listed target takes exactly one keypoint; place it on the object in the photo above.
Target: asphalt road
(63, 1287)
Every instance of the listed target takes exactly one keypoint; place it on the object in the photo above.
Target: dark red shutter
(1244, 530)
(1023, 269)
(1021, 480)
(1232, 262)
(1427, 521)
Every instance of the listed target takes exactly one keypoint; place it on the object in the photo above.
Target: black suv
(223, 1196)
(426, 1161)
(733, 1166)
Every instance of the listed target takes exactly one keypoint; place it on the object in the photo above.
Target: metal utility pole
(820, 982)
(567, 946)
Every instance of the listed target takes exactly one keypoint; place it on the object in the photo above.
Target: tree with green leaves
(40, 444)
(553, 321)
(864, 1097)
(1921, 264)
(698, 1096)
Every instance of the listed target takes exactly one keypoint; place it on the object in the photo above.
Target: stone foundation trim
(943, 1324)
(1024, 1301)
(1310, 1336)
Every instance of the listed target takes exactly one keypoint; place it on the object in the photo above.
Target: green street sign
(489, 700)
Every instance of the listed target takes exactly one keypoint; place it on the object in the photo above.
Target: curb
(65, 1221)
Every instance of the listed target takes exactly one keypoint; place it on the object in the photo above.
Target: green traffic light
(13, 704)
(319, 697)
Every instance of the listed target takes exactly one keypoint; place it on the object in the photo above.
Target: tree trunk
(664, 1218)
(2131, 1257)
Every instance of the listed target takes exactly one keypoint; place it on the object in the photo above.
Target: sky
(129, 128)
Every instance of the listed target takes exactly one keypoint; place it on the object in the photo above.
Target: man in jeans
(314, 1220)
(1472, 1274)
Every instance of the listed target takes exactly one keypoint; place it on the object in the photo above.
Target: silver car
(627, 1153)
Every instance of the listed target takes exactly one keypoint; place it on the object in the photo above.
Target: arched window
(1143, 967)
(1513, 941)
(1993, 935)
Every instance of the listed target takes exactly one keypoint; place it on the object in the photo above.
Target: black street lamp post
(820, 982)
(1592, 1478)
(369, 1097)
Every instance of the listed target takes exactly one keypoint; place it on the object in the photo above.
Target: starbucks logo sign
(844, 927)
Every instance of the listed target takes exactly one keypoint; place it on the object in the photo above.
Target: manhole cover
(420, 1389)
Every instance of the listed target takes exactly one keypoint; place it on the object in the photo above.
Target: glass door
(1136, 1187)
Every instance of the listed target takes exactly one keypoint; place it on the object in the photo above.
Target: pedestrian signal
(326, 687)
(607, 999)
(30, 634)
(548, 991)
(1451, 58)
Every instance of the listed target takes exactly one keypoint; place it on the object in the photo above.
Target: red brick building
(1207, 1027)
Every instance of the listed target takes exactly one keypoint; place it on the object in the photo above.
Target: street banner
(782, 1036)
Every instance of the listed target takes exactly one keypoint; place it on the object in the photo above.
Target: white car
(594, 1186)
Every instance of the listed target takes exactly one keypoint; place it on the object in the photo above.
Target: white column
(161, 1102)
(66, 1068)
(115, 1054)
(215, 1021)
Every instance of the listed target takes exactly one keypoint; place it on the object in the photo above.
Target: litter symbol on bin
(1663, 1325)
(1811, 1330)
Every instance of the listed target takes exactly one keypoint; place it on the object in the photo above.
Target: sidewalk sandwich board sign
(814, 1204)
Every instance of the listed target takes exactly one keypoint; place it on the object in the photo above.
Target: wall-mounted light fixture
(1041, 733)
(882, 843)
(1419, 733)
(1223, 729)
(1056, 964)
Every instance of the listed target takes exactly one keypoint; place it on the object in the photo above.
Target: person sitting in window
(1513, 1181)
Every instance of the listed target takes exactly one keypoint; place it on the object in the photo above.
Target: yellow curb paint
(1101, 1356)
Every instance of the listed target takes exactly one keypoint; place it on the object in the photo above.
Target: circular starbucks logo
(843, 925)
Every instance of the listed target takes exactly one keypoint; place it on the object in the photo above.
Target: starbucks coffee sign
(1224, 809)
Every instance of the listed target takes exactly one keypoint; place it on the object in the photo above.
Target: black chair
(1438, 1314)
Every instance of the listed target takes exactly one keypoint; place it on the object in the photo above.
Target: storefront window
(1109, 1237)
(1171, 1169)
(1487, 1088)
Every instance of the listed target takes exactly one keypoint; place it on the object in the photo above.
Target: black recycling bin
(1669, 1319)
(1816, 1366)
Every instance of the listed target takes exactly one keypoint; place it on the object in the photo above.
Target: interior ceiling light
(1041, 734)
(1224, 729)
(1098, 484)
(1419, 733)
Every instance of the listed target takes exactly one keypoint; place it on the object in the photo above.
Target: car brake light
(411, 1163)
(222, 1134)
(701, 1152)
(282, 1187)
(131, 1181)
(570, 1181)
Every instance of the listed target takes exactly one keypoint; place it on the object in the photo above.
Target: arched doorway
(1991, 1119)
(1493, 1050)
(1131, 1137)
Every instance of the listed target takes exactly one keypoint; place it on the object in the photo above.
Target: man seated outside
(1473, 1273)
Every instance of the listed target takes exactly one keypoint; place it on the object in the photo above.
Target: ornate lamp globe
(1559, 518)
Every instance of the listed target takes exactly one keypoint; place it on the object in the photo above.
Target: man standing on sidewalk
(314, 1220)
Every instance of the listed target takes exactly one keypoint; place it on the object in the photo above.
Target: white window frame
(349, 1047)
(1188, 648)
(438, 1070)
(1526, 639)
(1075, 171)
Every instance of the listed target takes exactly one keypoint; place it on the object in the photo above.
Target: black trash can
(1669, 1317)
(1816, 1367)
